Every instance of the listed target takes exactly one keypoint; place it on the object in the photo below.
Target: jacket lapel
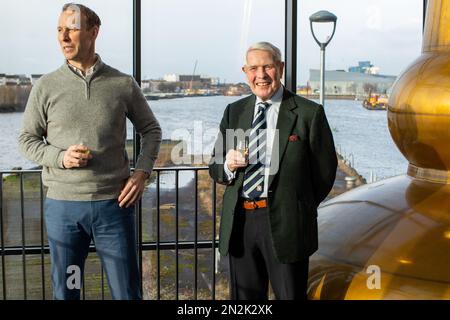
(285, 123)
(246, 117)
(244, 122)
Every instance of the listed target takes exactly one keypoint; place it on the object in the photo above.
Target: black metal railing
(14, 235)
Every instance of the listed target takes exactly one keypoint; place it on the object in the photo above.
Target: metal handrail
(42, 249)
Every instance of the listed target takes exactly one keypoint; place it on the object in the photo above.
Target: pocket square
(294, 137)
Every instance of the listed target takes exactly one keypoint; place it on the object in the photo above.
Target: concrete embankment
(13, 98)
(344, 171)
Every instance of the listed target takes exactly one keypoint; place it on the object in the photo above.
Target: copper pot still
(391, 239)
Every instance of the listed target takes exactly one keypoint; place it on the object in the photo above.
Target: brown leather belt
(254, 204)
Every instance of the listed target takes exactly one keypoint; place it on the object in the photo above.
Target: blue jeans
(70, 227)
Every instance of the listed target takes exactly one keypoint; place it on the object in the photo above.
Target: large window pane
(193, 53)
(29, 48)
(372, 40)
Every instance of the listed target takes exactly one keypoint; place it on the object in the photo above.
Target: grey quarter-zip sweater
(65, 109)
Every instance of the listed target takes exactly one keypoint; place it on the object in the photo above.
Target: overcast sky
(177, 33)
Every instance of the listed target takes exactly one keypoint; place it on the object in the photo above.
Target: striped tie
(254, 174)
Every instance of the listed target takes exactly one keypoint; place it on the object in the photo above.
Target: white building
(145, 84)
(350, 83)
(373, 70)
(12, 79)
(171, 77)
(24, 80)
(214, 81)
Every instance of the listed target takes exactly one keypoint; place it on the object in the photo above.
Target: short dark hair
(92, 18)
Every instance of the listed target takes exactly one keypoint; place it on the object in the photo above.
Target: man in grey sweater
(75, 127)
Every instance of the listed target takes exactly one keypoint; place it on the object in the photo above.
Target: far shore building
(14, 92)
(151, 85)
(340, 82)
(171, 77)
(35, 77)
(24, 80)
(12, 79)
(189, 81)
(188, 78)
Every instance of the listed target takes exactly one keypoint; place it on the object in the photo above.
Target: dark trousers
(253, 262)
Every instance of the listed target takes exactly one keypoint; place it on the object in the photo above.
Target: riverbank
(8, 108)
(13, 98)
(330, 96)
(344, 171)
(171, 95)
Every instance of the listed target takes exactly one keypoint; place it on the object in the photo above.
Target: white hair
(265, 46)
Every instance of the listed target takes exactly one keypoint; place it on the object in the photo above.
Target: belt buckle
(255, 204)
(250, 203)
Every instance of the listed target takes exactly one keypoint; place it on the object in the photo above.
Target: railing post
(176, 235)
(196, 235)
(158, 237)
(2, 239)
(22, 226)
(214, 213)
(41, 190)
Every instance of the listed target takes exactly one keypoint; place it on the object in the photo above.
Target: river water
(360, 135)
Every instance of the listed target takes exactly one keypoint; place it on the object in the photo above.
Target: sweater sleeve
(147, 126)
(34, 127)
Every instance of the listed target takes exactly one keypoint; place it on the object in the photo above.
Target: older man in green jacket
(269, 214)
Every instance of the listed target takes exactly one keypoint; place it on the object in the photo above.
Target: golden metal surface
(419, 112)
(401, 225)
(397, 231)
(419, 105)
(436, 35)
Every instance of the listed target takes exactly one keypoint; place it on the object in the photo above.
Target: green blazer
(305, 176)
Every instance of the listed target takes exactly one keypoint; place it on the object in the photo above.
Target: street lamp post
(322, 17)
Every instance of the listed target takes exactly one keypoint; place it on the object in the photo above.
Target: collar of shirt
(271, 119)
(275, 101)
(89, 71)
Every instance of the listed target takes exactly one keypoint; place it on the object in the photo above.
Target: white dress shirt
(89, 71)
(271, 119)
